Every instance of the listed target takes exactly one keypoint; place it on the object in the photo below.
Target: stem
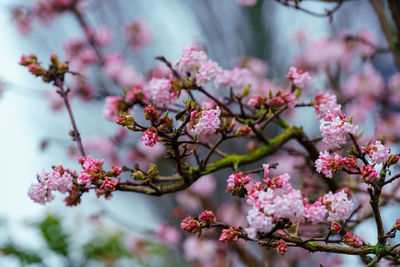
(64, 94)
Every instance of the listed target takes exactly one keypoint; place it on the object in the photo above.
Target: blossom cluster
(276, 201)
(193, 225)
(334, 128)
(299, 78)
(377, 152)
(207, 122)
(61, 179)
(328, 165)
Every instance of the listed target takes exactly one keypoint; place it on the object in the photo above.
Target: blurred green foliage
(101, 250)
(54, 235)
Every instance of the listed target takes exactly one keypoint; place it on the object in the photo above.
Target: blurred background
(34, 134)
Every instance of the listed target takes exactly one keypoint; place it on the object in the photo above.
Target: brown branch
(64, 94)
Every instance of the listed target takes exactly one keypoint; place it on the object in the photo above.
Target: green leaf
(54, 235)
(23, 256)
(108, 248)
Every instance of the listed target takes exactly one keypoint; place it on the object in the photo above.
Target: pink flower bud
(229, 235)
(206, 218)
(109, 184)
(150, 113)
(190, 225)
(368, 173)
(244, 130)
(36, 69)
(335, 228)
(281, 247)
(28, 60)
(352, 240)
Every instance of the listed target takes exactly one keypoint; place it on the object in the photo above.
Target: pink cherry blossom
(335, 228)
(92, 169)
(206, 218)
(191, 59)
(378, 152)
(325, 104)
(281, 247)
(369, 173)
(280, 181)
(112, 107)
(168, 234)
(39, 193)
(334, 129)
(238, 79)
(150, 137)
(229, 235)
(190, 225)
(236, 181)
(369, 82)
(328, 165)
(338, 206)
(138, 33)
(109, 184)
(160, 91)
(207, 72)
(315, 212)
(298, 77)
(208, 123)
(352, 240)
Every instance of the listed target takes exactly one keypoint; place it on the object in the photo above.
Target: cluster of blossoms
(150, 137)
(44, 10)
(369, 174)
(138, 33)
(229, 235)
(325, 103)
(194, 60)
(276, 201)
(299, 78)
(194, 225)
(328, 165)
(351, 239)
(112, 107)
(236, 183)
(377, 152)
(61, 179)
(69, 181)
(329, 208)
(335, 127)
(281, 247)
(161, 92)
(279, 99)
(324, 51)
(206, 122)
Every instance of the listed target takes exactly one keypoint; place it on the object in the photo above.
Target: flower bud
(150, 113)
(206, 218)
(28, 60)
(335, 228)
(243, 130)
(153, 171)
(281, 247)
(36, 69)
(138, 175)
(190, 225)
(54, 60)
